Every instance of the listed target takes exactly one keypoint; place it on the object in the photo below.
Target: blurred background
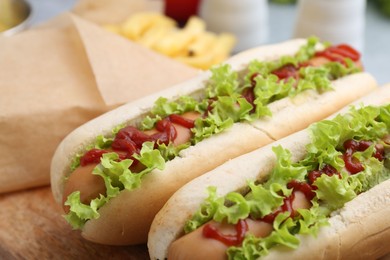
(277, 25)
(79, 69)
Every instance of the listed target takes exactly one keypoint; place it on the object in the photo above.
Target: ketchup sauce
(210, 231)
(303, 187)
(286, 72)
(166, 131)
(295, 185)
(286, 207)
(352, 164)
(129, 140)
(209, 108)
(339, 53)
(249, 95)
(253, 79)
(327, 169)
(92, 157)
(185, 122)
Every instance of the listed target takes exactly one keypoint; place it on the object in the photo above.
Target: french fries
(192, 44)
(201, 56)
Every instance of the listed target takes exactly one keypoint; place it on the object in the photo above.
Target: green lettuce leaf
(270, 198)
(233, 209)
(316, 78)
(338, 70)
(205, 212)
(163, 108)
(374, 172)
(117, 176)
(79, 213)
(333, 191)
(212, 124)
(268, 89)
(311, 220)
(170, 151)
(285, 170)
(223, 82)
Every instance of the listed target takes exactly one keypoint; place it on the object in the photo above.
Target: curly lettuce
(327, 138)
(117, 176)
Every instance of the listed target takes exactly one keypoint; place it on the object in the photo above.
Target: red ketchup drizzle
(185, 122)
(287, 206)
(253, 79)
(286, 72)
(339, 53)
(92, 156)
(303, 187)
(130, 139)
(210, 231)
(352, 164)
(249, 95)
(167, 131)
(327, 169)
(210, 102)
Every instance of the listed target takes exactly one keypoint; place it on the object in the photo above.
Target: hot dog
(114, 173)
(320, 193)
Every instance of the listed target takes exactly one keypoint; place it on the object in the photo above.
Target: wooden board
(32, 227)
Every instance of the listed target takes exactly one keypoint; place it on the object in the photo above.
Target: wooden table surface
(32, 227)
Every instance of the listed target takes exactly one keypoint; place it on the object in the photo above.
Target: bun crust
(126, 218)
(362, 223)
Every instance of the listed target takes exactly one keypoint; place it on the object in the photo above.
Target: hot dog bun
(126, 218)
(132, 112)
(357, 231)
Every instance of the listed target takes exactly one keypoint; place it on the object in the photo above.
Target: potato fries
(210, 53)
(192, 44)
(135, 26)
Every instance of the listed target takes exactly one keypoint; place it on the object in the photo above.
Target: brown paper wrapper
(125, 70)
(59, 76)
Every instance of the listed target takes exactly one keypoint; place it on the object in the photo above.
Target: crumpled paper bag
(60, 75)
